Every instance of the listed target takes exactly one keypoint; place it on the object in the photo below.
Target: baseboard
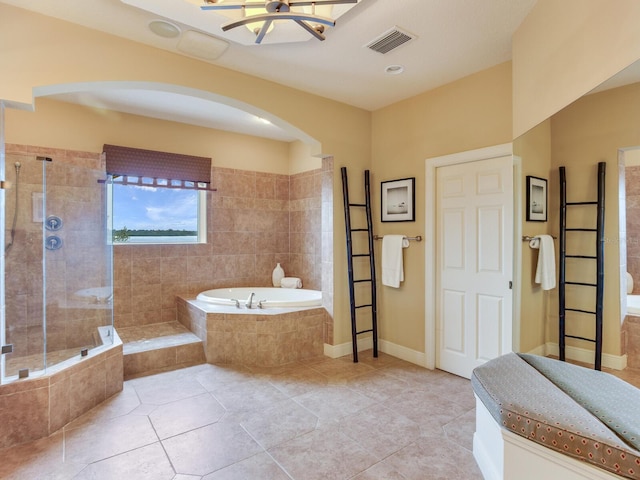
(398, 351)
(403, 353)
(615, 362)
(335, 351)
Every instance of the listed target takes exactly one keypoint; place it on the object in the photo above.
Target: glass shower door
(78, 263)
(23, 266)
(57, 261)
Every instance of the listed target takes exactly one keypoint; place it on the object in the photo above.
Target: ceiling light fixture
(255, 27)
(165, 29)
(278, 10)
(394, 69)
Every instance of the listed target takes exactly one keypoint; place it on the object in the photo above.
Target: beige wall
(67, 126)
(470, 113)
(564, 49)
(534, 149)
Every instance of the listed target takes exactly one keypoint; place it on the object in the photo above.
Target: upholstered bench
(539, 418)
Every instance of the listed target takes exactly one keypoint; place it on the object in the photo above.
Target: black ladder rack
(598, 257)
(355, 308)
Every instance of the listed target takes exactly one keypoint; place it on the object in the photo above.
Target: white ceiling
(453, 39)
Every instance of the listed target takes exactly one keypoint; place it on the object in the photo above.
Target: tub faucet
(249, 300)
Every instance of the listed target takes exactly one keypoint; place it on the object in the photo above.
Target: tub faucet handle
(250, 300)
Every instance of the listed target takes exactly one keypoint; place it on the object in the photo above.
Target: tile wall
(632, 187)
(255, 220)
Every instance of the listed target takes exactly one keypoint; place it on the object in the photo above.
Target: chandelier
(270, 11)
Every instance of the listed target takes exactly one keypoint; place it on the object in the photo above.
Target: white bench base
(503, 455)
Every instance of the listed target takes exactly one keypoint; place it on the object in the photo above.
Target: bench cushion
(525, 402)
(613, 401)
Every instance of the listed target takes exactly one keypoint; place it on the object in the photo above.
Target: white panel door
(474, 250)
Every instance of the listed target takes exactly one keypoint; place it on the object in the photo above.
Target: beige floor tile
(298, 382)
(260, 466)
(145, 463)
(378, 385)
(278, 424)
(210, 448)
(322, 454)
(187, 414)
(425, 408)
(218, 377)
(166, 388)
(102, 440)
(380, 471)
(340, 368)
(434, 458)
(249, 395)
(41, 459)
(456, 389)
(380, 431)
(461, 429)
(333, 402)
(382, 361)
(318, 419)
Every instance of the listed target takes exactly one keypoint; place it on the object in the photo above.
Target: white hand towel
(291, 282)
(392, 265)
(546, 269)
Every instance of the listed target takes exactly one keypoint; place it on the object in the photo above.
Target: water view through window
(142, 214)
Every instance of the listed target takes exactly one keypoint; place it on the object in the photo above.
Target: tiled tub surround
(254, 220)
(36, 407)
(269, 337)
(632, 191)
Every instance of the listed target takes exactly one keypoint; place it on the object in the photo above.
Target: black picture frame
(536, 199)
(398, 200)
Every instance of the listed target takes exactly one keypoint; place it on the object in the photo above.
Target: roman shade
(135, 166)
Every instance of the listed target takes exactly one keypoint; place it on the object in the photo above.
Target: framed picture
(536, 199)
(399, 200)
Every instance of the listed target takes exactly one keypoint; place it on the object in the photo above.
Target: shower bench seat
(541, 418)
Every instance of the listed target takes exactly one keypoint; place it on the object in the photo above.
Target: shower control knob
(53, 243)
(53, 223)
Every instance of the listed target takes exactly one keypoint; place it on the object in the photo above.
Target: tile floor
(319, 419)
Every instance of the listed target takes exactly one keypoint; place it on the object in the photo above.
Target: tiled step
(159, 347)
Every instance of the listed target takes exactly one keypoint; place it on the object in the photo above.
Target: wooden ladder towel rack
(598, 257)
(371, 280)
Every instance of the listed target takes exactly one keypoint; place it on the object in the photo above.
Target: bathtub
(633, 305)
(268, 297)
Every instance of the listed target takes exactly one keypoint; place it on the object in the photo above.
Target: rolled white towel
(291, 282)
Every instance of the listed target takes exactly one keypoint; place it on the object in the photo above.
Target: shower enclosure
(57, 260)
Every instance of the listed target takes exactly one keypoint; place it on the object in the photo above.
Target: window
(156, 197)
(148, 214)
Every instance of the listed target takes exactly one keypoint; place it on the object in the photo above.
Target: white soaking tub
(263, 297)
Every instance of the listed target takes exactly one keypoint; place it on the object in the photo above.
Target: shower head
(44, 159)
(17, 165)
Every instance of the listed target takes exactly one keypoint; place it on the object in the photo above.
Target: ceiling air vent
(389, 40)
